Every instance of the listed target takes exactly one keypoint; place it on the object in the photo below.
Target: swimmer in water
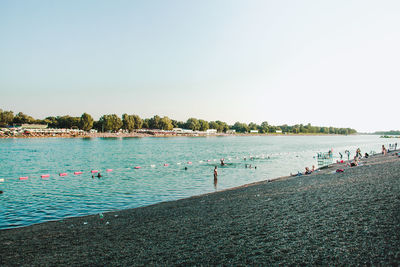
(185, 168)
(98, 175)
(222, 162)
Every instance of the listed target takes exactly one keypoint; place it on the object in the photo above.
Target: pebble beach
(326, 218)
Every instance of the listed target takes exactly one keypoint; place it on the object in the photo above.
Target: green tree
(6, 117)
(264, 127)
(222, 126)
(128, 122)
(204, 126)
(253, 126)
(166, 124)
(193, 124)
(213, 125)
(138, 122)
(240, 127)
(86, 122)
(67, 122)
(146, 124)
(110, 123)
(155, 122)
(21, 118)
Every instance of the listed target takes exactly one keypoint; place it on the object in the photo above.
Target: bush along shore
(349, 217)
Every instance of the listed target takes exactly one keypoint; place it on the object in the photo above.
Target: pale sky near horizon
(328, 63)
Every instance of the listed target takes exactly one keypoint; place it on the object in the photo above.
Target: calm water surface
(35, 200)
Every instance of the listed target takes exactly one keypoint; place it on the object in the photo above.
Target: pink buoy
(166, 164)
(76, 173)
(23, 178)
(45, 176)
(208, 160)
(94, 171)
(189, 162)
(137, 167)
(109, 170)
(63, 174)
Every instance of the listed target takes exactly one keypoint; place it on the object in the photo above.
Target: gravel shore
(326, 218)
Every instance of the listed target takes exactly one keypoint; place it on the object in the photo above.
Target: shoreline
(326, 218)
(141, 135)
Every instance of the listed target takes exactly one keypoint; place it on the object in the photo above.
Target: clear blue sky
(330, 63)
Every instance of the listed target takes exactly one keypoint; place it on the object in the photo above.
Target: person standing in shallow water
(215, 177)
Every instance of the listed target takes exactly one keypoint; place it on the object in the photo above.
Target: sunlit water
(35, 200)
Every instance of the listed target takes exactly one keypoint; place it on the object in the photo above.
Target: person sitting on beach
(354, 163)
(307, 171)
(313, 168)
(366, 155)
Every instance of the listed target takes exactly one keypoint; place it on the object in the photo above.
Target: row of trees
(131, 123)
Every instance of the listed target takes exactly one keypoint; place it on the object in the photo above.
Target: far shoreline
(141, 135)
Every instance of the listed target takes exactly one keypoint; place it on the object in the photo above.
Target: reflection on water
(145, 170)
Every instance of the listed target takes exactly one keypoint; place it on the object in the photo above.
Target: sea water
(25, 202)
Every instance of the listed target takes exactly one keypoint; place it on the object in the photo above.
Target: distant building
(211, 131)
(231, 131)
(253, 131)
(177, 130)
(278, 131)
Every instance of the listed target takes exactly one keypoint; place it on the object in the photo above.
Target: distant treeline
(114, 123)
(392, 132)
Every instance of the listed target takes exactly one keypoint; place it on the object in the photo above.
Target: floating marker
(166, 165)
(77, 173)
(152, 165)
(94, 171)
(63, 174)
(179, 163)
(23, 178)
(2, 180)
(189, 162)
(109, 170)
(45, 176)
(208, 160)
(137, 167)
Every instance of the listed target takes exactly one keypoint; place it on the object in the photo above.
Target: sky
(328, 63)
